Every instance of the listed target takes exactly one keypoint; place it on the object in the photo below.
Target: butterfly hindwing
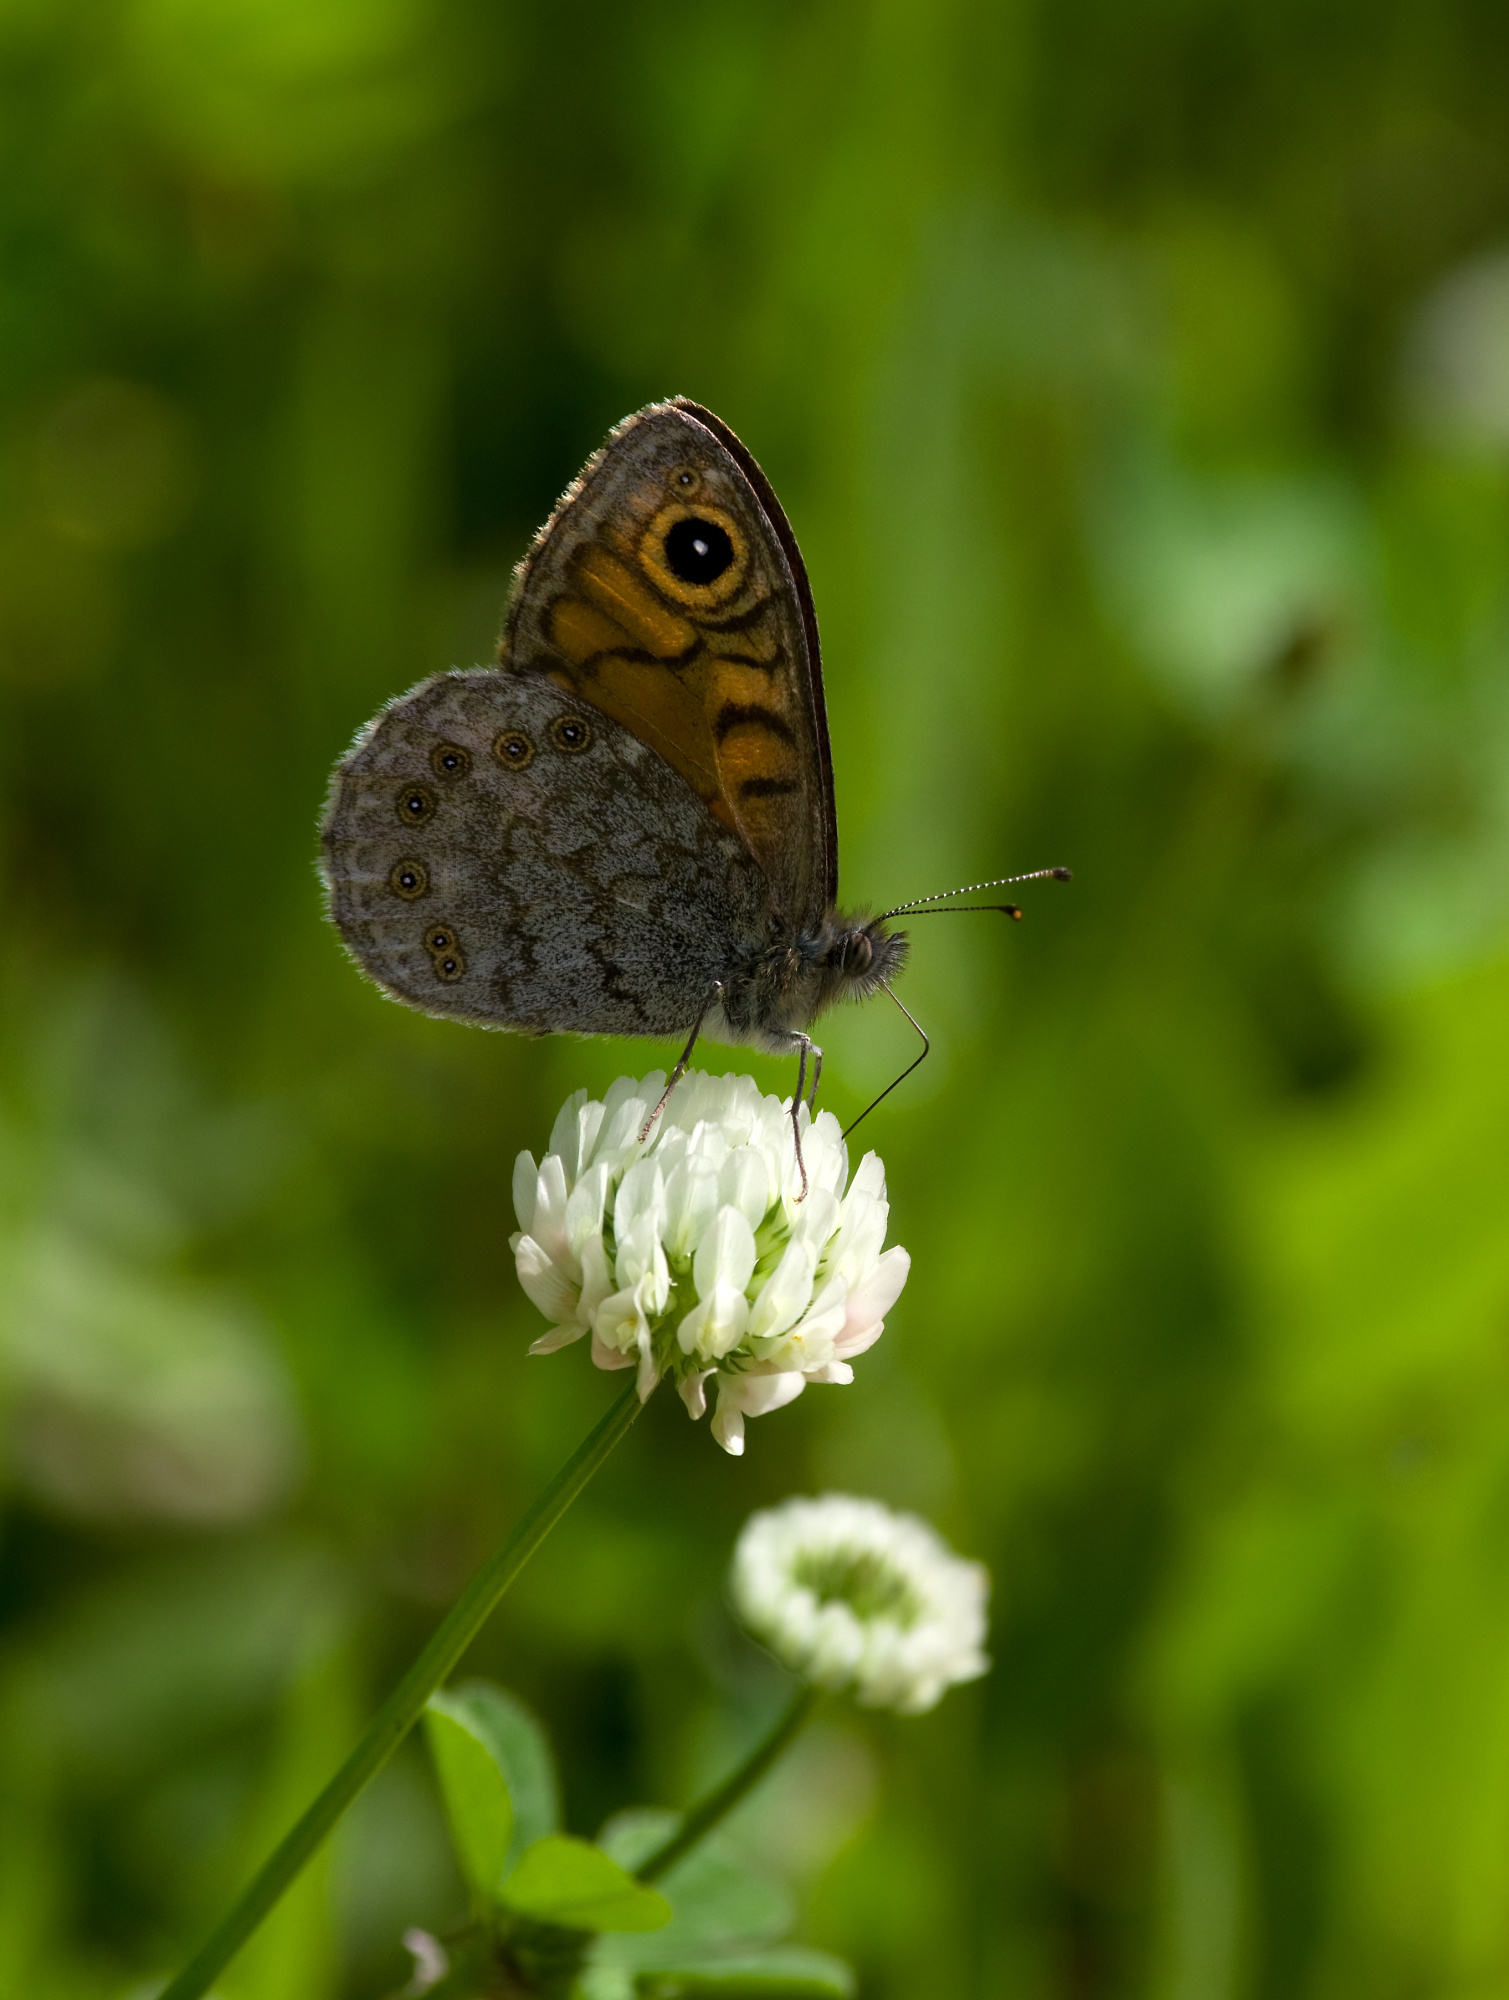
(500, 851)
(667, 591)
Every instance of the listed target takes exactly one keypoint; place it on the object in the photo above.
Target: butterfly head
(859, 956)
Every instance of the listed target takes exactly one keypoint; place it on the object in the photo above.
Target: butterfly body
(774, 993)
(626, 826)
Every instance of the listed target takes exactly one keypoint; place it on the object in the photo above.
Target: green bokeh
(1136, 377)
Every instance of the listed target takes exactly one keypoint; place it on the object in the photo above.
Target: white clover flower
(860, 1600)
(691, 1254)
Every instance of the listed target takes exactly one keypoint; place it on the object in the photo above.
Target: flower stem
(702, 1818)
(405, 1705)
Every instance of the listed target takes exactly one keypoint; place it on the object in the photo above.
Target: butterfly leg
(806, 1046)
(926, 1045)
(685, 1057)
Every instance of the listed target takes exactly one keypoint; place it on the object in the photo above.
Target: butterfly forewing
(667, 591)
(498, 850)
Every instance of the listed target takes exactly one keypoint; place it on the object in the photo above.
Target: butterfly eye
(698, 551)
(857, 954)
(409, 879)
(570, 732)
(415, 804)
(449, 760)
(513, 748)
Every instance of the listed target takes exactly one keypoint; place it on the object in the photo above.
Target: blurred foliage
(1137, 379)
(570, 1915)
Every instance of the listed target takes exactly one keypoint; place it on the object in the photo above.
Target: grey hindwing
(501, 853)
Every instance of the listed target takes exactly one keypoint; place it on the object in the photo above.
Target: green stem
(405, 1705)
(702, 1818)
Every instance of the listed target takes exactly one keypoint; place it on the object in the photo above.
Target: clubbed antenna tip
(916, 908)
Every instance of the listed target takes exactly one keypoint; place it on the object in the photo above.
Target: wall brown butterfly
(626, 826)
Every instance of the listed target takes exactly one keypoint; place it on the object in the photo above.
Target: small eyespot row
(450, 760)
(446, 955)
(415, 804)
(570, 733)
(409, 879)
(513, 749)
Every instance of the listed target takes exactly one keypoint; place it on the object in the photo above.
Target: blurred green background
(1136, 377)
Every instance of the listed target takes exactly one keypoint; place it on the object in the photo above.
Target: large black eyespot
(513, 748)
(570, 732)
(415, 804)
(449, 760)
(409, 879)
(697, 551)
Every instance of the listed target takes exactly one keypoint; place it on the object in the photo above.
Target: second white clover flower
(860, 1600)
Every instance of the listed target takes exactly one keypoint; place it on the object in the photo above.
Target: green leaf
(562, 1880)
(716, 1942)
(521, 1751)
(781, 1972)
(631, 1837)
(475, 1791)
(785, 1971)
(719, 1899)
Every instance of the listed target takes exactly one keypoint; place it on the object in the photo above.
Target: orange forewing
(715, 676)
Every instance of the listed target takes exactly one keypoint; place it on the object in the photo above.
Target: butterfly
(627, 825)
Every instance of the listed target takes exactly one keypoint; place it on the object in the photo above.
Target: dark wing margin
(764, 493)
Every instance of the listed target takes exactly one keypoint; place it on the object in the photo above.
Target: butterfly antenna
(926, 1045)
(918, 908)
